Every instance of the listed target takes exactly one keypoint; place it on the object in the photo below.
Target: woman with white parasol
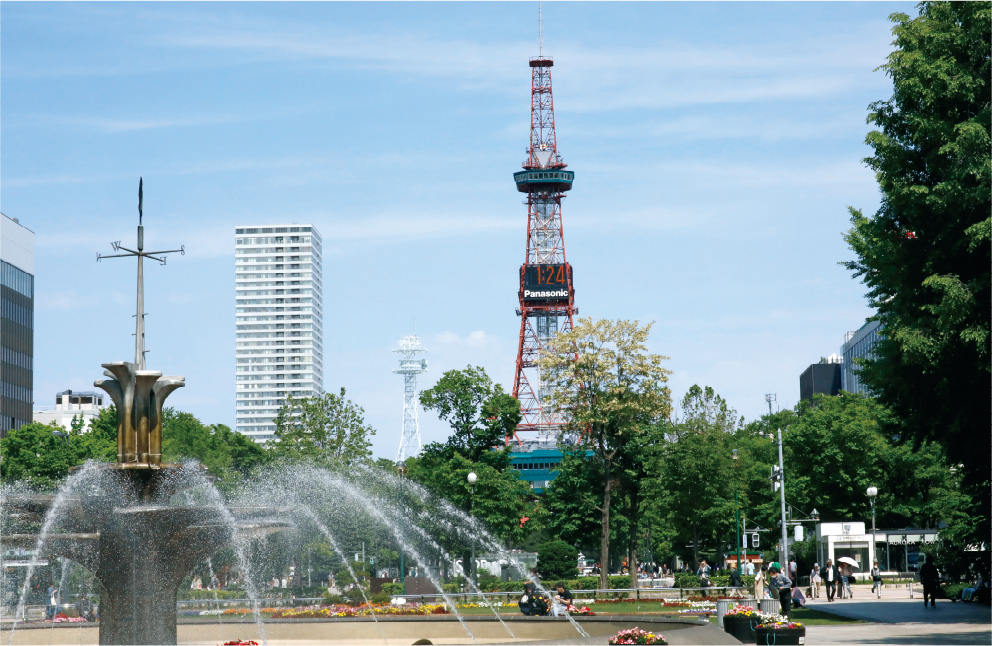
(846, 563)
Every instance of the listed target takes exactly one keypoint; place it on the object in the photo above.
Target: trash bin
(722, 606)
(770, 606)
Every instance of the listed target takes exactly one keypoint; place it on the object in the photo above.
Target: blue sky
(716, 148)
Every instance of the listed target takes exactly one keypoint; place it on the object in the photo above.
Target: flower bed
(685, 606)
(636, 636)
(583, 611)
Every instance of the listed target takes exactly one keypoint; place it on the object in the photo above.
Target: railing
(510, 596)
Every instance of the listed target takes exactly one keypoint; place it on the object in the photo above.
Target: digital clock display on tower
(546, 284)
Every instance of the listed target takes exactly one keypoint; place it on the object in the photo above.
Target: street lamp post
(401, 468)
(472, 478)
(784, 552)
(872, 493)
(737, 512)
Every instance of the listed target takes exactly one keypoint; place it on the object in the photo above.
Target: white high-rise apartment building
(279, 319)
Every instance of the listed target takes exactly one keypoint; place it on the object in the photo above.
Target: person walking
(814, 580)
(784, 586)
(830, 576)
(759, 582)
(794, 572)
(704, 576)
(876, 578)
(930, 579)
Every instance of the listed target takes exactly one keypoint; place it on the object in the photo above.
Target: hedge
(583, 583)
(690, 580)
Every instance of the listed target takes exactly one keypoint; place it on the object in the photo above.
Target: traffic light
(754, 540)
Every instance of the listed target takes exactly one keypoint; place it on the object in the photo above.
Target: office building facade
(820, 379)
(69, 406)
(858, 345)
(279, 345)
(16, 324)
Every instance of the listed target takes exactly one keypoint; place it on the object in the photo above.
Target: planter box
(740, 628)
(793, 636)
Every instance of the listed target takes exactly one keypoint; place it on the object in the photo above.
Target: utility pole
(769, 398)
(784, 552)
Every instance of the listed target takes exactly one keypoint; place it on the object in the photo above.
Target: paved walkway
(897, 619)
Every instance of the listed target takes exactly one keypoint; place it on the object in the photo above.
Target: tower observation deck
(546, 292)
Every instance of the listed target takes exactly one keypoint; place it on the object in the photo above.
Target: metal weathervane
(140, 254)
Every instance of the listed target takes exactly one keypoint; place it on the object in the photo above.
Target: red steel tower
(547, 296)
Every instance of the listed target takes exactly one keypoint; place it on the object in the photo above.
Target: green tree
(925, 255)
(499, 500)
(557, 560)
(327, 429)
(33, 454)
(612, 389)
(695, 474)
(570, 505)
(99, 443)
(480, 413)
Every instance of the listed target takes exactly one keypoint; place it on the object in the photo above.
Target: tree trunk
(604, 546)
(634, 532)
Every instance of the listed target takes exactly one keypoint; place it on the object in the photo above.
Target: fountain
(140, 526)
(118, 520)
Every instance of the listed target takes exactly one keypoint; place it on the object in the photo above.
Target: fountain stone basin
(141, 552)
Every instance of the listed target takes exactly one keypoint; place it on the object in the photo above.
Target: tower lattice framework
(411, 365)
(546, 294)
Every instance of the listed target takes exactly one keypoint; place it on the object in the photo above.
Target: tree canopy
(925, 254)
(481, 414)
(328, 429)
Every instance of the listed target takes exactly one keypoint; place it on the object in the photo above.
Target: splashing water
(374, 507)
(85, 476)
(337, 550)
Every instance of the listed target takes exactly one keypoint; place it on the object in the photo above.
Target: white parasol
(849, 561)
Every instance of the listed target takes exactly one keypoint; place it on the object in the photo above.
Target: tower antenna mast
(410, 367)
(140, 254)
(546, 293)
(540, 29)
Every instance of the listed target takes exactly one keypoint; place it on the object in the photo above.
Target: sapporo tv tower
(547, 295)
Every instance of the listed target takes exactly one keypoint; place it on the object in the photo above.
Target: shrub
(380, 597)
(953, 590)
(354, 596)
(451, 588)
(557, 560)
(332, 599)
(392, 588)
(619, 581)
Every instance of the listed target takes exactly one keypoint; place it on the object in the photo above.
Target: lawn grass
(811, 617)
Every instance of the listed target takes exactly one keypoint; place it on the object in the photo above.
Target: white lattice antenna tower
(410, 367)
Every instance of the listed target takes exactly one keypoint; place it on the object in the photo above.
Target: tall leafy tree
(925, 255)
(481, 414)
(612, 390)
(695, 473)
(327, 429)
